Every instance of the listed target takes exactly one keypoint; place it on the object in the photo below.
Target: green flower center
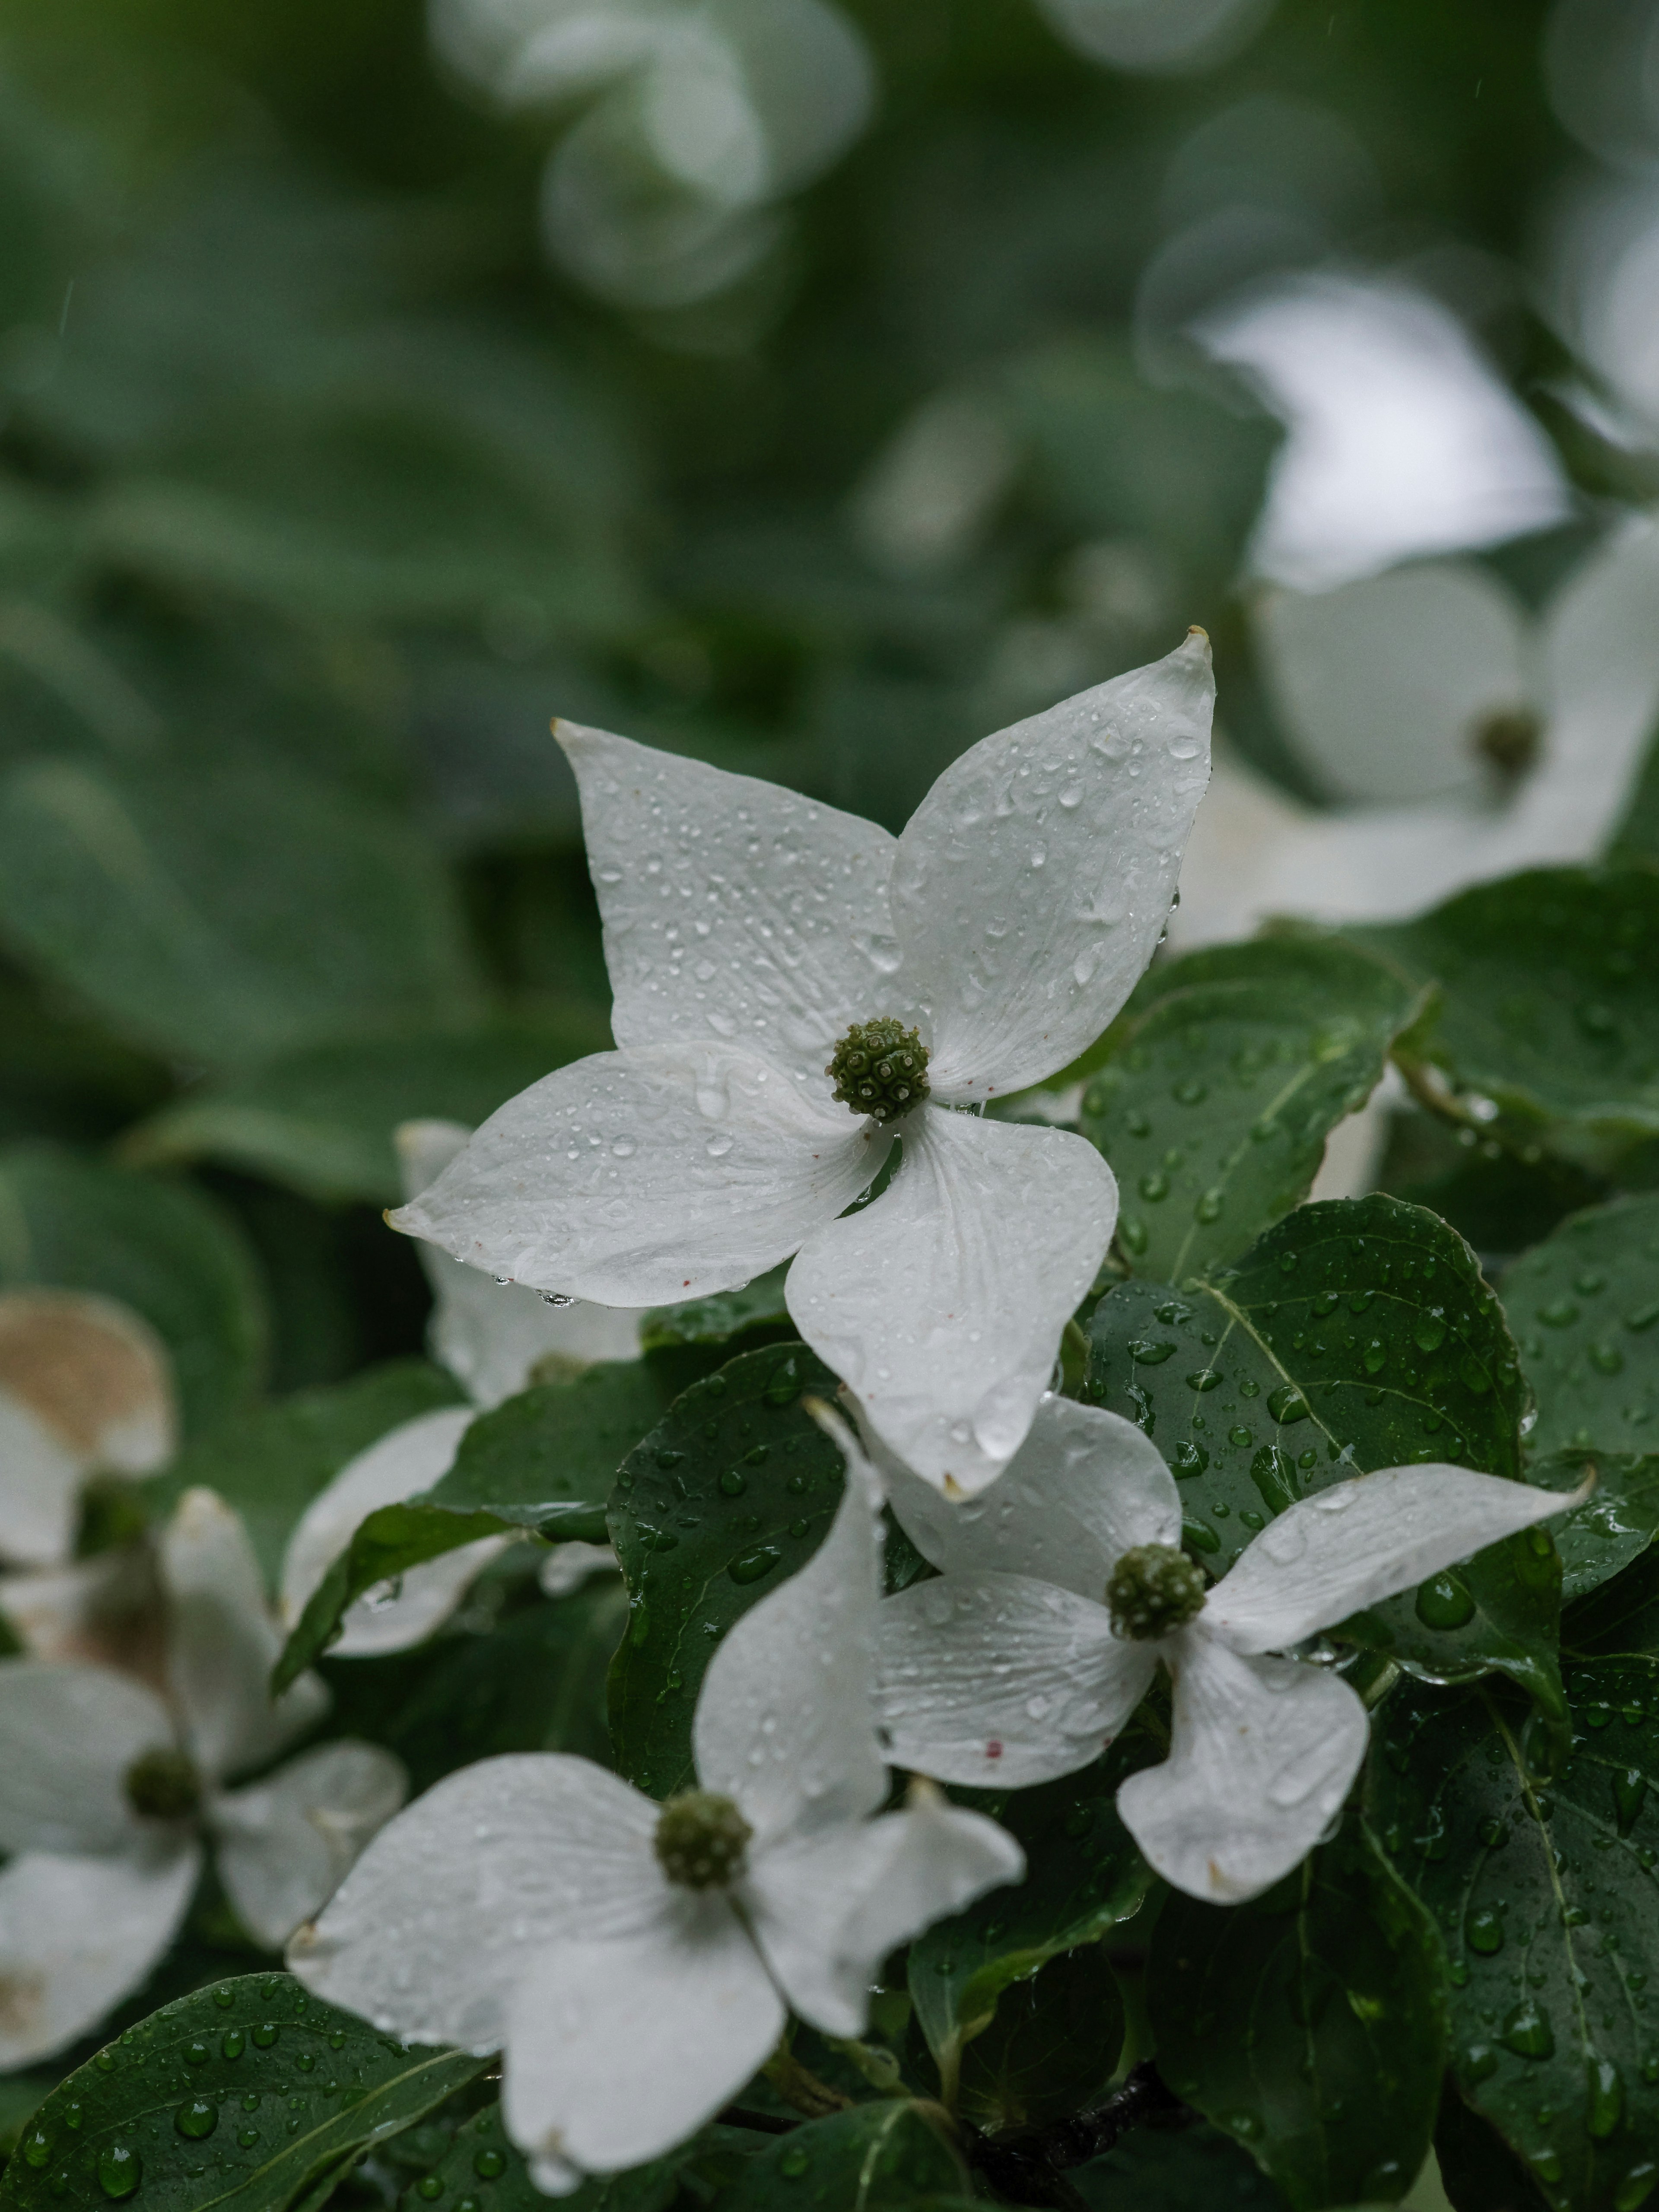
(880, 1069)
(163, 1784)
(700, 1840)
(1154, 1590)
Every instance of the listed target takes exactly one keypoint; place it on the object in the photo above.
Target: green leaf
(1637, 837)
(1190, 2169)
(320, 1120)
(483, 2163)
(1614, 1526)
(1356, 1334)
(1335, 2084)
(270, 1462)
(1479, 2172)
(731, 1494)
(1083, 1876)
(159, 1247)
(717, 1319)
(1548, 1004)
(547, 1459)
(1222, 1082)
(239, 2098)
(1051, 2048)
(886, 2153)
(1584, 1307)
(1544, 1901)
(227, 916)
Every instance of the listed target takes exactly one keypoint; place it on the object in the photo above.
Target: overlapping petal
(79, 1934)
(1347, 1547)
(733, 910)
(940, 1304)
(287, 1843)
(1000, 1680)
(827, 1911)
(641, 1177)
(431, 1928)
(1261, 1754)
(1085, 1487)
(785, 1721)
(68, 1736)
(1032, 882)
(617, 2051)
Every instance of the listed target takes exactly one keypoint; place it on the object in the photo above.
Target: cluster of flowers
(775, 963)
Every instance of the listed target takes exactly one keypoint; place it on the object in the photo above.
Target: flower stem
(799, 2087)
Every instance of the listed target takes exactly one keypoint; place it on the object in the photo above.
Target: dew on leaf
(196, 2119)
(1444, 1603)
(1286, 1404)
(120, 2170)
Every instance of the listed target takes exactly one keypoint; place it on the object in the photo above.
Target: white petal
(617, 2051)
(568, 1566)
(646, 1176)
(68, 1734)
(95, 1373)
(999, 1681)
(733, 910)
(438, 1919)
(1345, 1548)
(827, 1911)
(498, 1338)
(286, 1844)
(78, 1935)
(223, 1643)
(1262, 1752)
(88, 1611)
(1085, 1487)
(40, 1479)
(785, 1720)
(409, 1459)
(941, 1305)
(1033, 882)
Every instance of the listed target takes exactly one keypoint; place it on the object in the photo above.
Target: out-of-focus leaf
(270, 1463)
(226, 917)
(872, 2158)
(64, 1079)
(159, 1247)
(321, 1119)
(1222, 1085)
(1547, 1007)
(196, 2107)
(1190, 2169)
(1584, 1307)
(1637, 837)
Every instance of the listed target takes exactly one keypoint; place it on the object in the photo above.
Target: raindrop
(717, 1148)
(794, 2162)
(751, 1566)
(1148, 1354)
(489, 2164)
(1607, 2095)
(556, 1298)
(1484, 1931)
(120, 2170)
(734, 1482)
(234, 2043)
(198, 2118)
(267, 2033)
(1209, 1378)
(1430, 1332)
(1527, 2031)
(37, 2148)
(1637, 2187)
(1443, 1601)
(1287, 1404)
(1630, 1789)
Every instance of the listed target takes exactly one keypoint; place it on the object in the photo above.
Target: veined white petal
(286, 1844)
(68, 1734)
(222, 1642)
(618, 2049)
(999, 1681)
(941, 1304)
(1345, 1548)
(1261, 1754)
(641, 1177)
(1085, 1487)
(409, 1459)
(78, 1935)
(498, 1338)
(440, 1916)
(827, 1910)
(1033, 882)
(785, 1721)
(733, 910)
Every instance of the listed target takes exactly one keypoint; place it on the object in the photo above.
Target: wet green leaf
(271, 1461)
(1479, 2172)
(1356, 1334)
(547, 1459)
(1584, 1308)
(240, 2098)
(1051, 2048)
(227, 916)
(483, 2163)
(1615, 1524)
(158, 1246)
(1189, 2169)
(321, 1119)
(1310, 2024)
(1548, 1005)
(731, 1494)
(1544, 1898)
(877, 2155)
(1222, 1082)
(716, 1320)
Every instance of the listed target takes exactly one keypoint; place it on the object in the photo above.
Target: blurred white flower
(1158, 37)
(702, 116)
(109, 1793)
(633, 1959)
(1402, 439)
(1062, 1588)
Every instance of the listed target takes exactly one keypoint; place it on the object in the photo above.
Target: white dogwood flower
(1063, 1589)
(634, 1959)
(109, 1793)
(795, 988)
